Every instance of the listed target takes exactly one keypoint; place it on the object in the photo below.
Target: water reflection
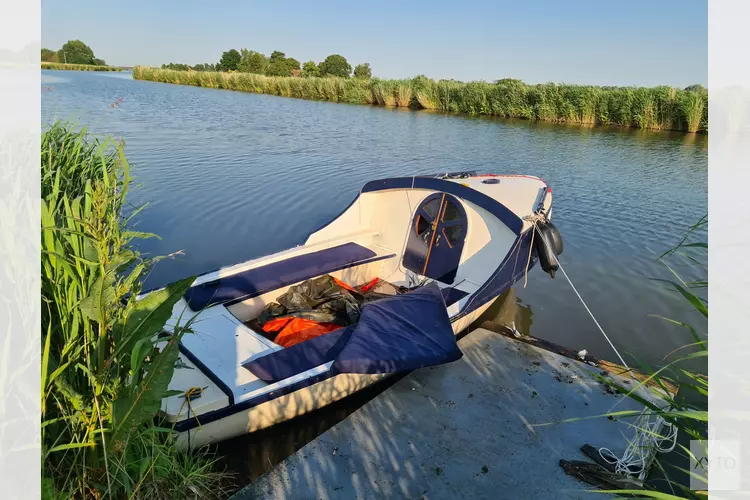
(510, 312)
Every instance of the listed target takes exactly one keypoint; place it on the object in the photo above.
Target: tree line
(278, 64)
(72, 52)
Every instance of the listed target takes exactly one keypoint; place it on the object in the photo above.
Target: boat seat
(259, 280)
(219, 344)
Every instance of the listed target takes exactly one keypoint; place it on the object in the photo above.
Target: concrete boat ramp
(466, 429)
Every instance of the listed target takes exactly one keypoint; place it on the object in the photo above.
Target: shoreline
(655, 109)
(77, 67)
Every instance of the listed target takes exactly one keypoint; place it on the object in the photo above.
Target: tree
(176, 66)
(76, 52)
(277, 55)
(204, 67)
(335, 65)
(49, 55)
(292, 63)
(280, 65)
(278, 68)
(230, 61)
(98, 62)
(692, 88)
(252, 62)
(310, 69)
(363, 71)
(509, 81)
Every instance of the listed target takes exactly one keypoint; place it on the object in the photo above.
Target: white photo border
(20, 322)
(729, 241)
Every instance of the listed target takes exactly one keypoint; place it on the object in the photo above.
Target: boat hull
(294, 404)
(486, 247)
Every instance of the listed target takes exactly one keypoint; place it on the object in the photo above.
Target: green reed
(104, 370)
(686, 408)
(78, 67)
(657, 108)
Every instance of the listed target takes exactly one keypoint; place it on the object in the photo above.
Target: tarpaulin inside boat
(323, 299)
(399, 333)
(314, 307)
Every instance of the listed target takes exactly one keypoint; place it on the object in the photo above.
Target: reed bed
(104, 368)
(656, 108)
(78, 67)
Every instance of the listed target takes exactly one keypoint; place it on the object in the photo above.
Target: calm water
(231, 176)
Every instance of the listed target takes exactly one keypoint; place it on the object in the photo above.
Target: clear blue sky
(599, 42)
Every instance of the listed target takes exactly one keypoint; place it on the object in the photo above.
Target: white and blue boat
(452, 243)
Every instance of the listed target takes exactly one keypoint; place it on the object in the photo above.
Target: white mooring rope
(595, 321)
(637, 457)
(535, 219)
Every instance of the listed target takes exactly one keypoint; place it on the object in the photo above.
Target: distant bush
(176, 66)
(252, 62)
(75, 52)
(230, 61)
(49, 55)
(204, 67)
(187, 67)
(696, 88)
(310, 69)
(335, 65)
(72, 52)
(280, 65)
(363, 71)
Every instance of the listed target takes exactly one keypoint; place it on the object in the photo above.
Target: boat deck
(465, 429)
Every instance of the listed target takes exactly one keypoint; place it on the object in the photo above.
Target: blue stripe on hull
(493, 206)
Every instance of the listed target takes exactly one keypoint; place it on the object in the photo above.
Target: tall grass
(657, 108)
(686, 410)
(404, 94)
(104, 370)
(693, 106)
(384, 92)
(78, 67)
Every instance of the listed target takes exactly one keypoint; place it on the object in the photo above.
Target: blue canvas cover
(394, 334)
(259, 280)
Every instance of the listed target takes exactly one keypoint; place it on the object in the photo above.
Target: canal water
(230, 176)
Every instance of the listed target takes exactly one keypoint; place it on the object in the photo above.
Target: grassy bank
(104, 370)
(78, 67)
(657, 108)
